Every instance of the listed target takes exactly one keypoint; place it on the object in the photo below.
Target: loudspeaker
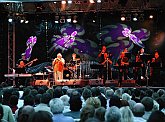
(42, 82)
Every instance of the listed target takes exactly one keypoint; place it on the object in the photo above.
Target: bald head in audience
(138, 110)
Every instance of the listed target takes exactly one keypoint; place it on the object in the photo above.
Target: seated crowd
(87, 104)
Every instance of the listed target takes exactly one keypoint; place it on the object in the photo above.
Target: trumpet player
(58, 67)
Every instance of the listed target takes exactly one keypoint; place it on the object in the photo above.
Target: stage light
(63, 2)
(69, 20)
(55, 2)
(151, 16)
(135, 17)
(98, 1)
(122, 18)
(21, 21)
(10, 20)
(91, 1)
(94, 21)
(69, 1)
(74, 21)
(26, 21)
(56, 21)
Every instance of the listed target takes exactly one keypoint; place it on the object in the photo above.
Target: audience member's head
(56, 105)
(119, 92)
(95, 91)
(13, 100)
(161, 92)
(100, 114)
(126, 114)
(113, 114)
(58, 92)
(115, 101)
(65, 99)
(131, 104)
(46, 97)
(86, 93)
(161, 103)
(156, 116)
(138, 110)
(41, 116)
(148, 103)
(29, 100)
(75, 102)
(87, 111)
(94, 102)
(37, 99)
(124, 103)
(109, 93)
(51, 92)
(126, 97)
(25, 113)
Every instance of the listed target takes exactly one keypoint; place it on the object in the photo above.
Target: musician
(122, 62)
(21, 68)
(21, 63)
(106, 61)
(74, 63)
(156, 64)
(58, 67)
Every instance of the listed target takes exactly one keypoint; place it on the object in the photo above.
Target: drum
(67, 74)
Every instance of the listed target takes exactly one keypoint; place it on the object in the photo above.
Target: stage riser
(79, 82)
(125, 83)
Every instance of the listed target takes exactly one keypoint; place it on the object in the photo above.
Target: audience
(86, 104)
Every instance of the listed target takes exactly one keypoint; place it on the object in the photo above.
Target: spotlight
(69, 20)
(98, 1)
(69, 1)
(151, 16)
(94, 21)
(91, 1)
(74, 21)
(134, 19)
(26, 21)
(62, 20)
(56, 21)
(10, 20)
(63, 2)
(123, 17)
(21, 21)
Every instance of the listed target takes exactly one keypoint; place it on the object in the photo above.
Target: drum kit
(79, 69)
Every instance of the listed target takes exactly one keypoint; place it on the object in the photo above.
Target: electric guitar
(22, 64)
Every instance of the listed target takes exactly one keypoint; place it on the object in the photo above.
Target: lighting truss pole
(11, 46)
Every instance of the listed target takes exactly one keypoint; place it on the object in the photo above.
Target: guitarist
(22, 64)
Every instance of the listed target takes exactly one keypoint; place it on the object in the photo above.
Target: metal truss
(11, 46)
